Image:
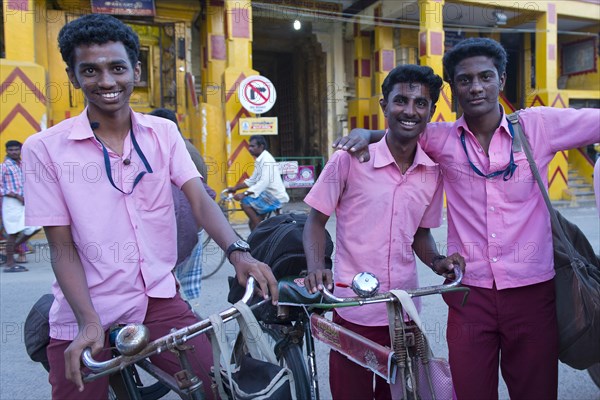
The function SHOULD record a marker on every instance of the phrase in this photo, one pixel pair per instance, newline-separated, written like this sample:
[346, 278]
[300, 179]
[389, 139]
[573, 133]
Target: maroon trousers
[349, 380]
[161, 317]
[514, 328]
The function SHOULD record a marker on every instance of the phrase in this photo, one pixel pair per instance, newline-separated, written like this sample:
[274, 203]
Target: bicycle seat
[293, 292]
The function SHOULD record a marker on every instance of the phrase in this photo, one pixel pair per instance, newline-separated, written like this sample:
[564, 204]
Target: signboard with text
[304, 178]
[140, 8]
[258, 126]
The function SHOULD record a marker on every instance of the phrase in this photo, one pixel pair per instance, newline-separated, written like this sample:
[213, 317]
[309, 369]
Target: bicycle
[228, 206]
[297, 321]
[132, 351]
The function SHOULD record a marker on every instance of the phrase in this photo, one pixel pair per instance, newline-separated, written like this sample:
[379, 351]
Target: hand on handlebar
[245, 266]
[445, 266]
[90, 336]
[319, 279]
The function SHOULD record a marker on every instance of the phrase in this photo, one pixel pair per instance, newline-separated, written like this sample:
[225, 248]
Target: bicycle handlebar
[424, 291]
[167, 342]
[226, 195]
[290, 296]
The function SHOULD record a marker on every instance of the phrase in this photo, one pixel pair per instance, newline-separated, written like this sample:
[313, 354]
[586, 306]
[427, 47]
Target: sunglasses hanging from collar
[127, 161]
[507, 172]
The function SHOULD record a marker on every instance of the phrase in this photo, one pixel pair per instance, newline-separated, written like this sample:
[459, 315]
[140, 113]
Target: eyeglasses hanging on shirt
[127, 161]
[506, 172]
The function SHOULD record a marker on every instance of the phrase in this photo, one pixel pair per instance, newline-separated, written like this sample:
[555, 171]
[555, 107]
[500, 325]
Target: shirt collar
[10, 160]
[461, 124]
[81, 125]
[382, 156]
[261, 156]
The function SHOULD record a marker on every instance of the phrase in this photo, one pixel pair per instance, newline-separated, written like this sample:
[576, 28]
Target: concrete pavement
[21, 378]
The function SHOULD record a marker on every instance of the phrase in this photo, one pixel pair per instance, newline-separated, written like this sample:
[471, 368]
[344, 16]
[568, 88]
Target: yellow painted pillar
[238, 37]
[358, 108]
[210, 139]
[431, 51]
[19, 30]
[384, 58]
[546, 92]
[23, 100]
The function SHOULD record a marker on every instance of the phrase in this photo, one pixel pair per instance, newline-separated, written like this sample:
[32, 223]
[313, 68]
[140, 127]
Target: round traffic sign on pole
[257, 94]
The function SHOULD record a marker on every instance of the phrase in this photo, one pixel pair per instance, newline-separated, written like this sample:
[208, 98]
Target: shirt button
[480, 149]
[493, 235]
[494, 259]
[492, 208]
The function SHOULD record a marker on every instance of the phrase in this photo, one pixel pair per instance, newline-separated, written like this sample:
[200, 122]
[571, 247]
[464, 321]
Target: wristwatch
[238, 245]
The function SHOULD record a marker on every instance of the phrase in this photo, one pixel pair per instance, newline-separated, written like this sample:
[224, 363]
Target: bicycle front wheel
[288, 354]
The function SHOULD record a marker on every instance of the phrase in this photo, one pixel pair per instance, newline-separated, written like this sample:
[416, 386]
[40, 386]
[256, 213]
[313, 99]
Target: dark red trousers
[350, 381]
[161, 317]
[511, 328]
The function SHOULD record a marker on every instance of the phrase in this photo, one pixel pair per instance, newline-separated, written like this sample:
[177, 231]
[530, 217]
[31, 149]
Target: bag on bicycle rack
[250, 376]
[277, 241]
[577, 278]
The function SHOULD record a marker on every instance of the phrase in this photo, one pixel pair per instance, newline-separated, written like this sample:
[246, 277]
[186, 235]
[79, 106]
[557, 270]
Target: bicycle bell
[365, 284]
[132, 339]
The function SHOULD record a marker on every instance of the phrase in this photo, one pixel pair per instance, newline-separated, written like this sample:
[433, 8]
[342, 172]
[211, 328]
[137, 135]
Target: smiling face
[105, 75]
[408, 109]
[477, 85]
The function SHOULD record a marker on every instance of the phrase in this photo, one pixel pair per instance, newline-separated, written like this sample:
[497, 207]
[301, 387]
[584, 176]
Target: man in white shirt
[265, 191]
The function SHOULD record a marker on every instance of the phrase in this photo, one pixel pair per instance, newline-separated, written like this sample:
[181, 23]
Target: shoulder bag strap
[255, 338]
[219, 344]
[518, 132]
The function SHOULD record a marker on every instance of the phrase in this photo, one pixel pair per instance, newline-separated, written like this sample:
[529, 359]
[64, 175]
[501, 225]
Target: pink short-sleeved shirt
[126, 243]
[378, 211]
[502, 228]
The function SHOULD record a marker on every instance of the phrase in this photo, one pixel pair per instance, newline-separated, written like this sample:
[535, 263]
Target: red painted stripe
[585, 155]
[537, 99]
[243, 178]
[243, 145]
[446, 99]
[18, 73]
[19, 109]
[558, 98]
[440, 118]
[238, 116]
[235, 86]
[508, 103]
[557, 172]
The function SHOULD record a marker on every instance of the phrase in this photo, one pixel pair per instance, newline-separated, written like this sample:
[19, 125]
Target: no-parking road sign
[257, 94]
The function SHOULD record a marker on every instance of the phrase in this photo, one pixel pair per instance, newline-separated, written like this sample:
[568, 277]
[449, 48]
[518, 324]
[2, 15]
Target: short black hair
[97, 29]
[473, 47]
[259, 139]
[411, 73]
[167, 114]
[14, 143]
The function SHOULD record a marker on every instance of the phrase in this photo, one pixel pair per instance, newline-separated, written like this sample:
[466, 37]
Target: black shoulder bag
[577, 279]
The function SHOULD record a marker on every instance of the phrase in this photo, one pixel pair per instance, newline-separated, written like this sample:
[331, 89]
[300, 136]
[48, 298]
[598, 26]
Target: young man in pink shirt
[100, 184]
[392, 202]
[498, 219]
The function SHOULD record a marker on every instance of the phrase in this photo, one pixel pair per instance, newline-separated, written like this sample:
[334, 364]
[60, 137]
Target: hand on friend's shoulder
[357, 143]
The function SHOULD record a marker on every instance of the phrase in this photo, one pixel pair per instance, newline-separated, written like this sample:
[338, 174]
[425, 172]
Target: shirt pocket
[522, 186]
[153, 192]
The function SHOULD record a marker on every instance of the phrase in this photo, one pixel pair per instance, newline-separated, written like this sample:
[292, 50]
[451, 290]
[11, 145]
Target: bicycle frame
[382, 360]
[135, 349]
